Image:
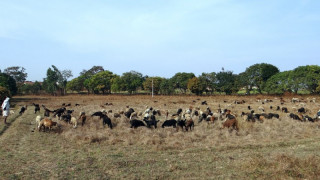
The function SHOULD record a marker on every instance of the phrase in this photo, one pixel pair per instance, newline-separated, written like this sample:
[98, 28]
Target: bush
[3, 93]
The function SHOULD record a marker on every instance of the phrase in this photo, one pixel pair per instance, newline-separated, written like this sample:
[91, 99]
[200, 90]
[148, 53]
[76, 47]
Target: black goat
[296, 117]
[66, 117]
[59, 112]
[151, 122]
[204, 103]
[46, 111]
[302, 110]
[36, 108]
[99, 113]
[284, 109]
[129, 112]
[106, 120]
[22, 110]
[136, 123]
[170, 122]
[182, 124]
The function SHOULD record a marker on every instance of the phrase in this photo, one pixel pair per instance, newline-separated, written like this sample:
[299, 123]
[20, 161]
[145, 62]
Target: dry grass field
[275, 149]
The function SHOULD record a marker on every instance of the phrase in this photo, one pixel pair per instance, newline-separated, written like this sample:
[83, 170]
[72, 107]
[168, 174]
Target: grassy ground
[275, 149]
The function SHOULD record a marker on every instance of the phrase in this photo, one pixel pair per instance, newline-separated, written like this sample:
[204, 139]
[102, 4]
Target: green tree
[226, 82]
[36, 88]
[9, 83]
[280, 83]
[101, 82]
[306, 77]
[180, 81]
[132, 81]
[75, 85]
[166, 88]
[50, 83]
[18, 73]
[258, 74]
[85, 75]
[195, 86]
[3, 93]
[117, 84]
[207, 82]
[156, 81]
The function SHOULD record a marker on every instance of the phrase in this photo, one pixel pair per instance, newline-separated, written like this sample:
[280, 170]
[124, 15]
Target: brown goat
[189, 125]
[47, 123]
[83, 118]
[231, 121]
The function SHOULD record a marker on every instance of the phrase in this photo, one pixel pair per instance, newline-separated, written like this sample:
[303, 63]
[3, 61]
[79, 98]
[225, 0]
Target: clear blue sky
[158, 37]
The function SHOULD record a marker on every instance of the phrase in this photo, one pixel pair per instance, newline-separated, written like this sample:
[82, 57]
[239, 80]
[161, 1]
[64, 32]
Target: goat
[99, 113]
[189, 125]
[66, 117]
[83, 118]
[204, 103]
[47, 123]
[136, 123]
[302, 110]
[294, 100]
[171, 122]
[36, 108]
[46, 111]
[59, 112]
[296, 117]
[129, 112]
[231, 121]
[181, 123]
[261, 108]
[284, 109]
[38, 119]
[106, 120]
[152, 122]
[74, 122]
[23, 109]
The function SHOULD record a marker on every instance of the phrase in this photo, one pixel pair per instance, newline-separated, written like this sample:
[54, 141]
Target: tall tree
[75, 85]
[166, 87]
[101, 82]
[307, 77]
[153, 82]
[258, 74]
[280, 83]
[18, 73]
[226, 82]
[207, 82]
[85, 76]
[9, 83]
[117, 84]
[180, 80]
[132, 81]
[50, 83]
[194, 86]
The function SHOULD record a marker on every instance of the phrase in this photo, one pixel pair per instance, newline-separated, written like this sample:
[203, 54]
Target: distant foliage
[258, 74]
[101, 82]
[258, 78]
[9, 83]
[3, 93]
[153, 81]
[180, 81]
[132, 81]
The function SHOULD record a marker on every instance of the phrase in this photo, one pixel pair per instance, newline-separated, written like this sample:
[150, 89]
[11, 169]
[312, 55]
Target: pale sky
[158, 37]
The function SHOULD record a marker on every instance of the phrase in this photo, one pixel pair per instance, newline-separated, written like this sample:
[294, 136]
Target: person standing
[5, 109]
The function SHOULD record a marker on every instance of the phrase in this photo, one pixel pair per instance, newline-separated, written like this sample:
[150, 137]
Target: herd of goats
[183, 119]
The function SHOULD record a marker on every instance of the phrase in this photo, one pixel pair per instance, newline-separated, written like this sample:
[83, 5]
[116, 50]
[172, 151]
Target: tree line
[258, 78]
